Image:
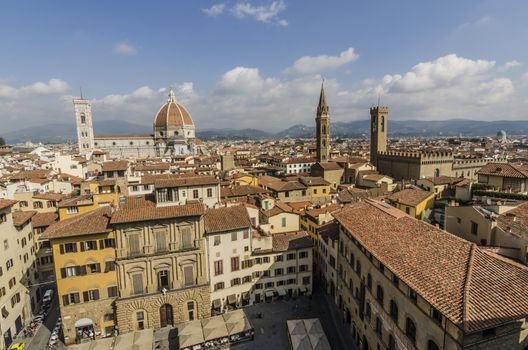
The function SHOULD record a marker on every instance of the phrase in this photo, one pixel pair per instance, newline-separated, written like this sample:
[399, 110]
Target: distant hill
[63, 132]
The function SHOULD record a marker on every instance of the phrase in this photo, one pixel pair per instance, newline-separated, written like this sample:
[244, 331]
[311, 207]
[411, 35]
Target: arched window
[83, 119]
[410, 330]
[431, 345]
[437, 172]
[382, 123]
[166, 315]
[379, 294]
[394, 311]
[324, 129]
[324, 143]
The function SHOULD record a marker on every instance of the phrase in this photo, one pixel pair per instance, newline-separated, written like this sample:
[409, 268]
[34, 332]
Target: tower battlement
[379, 109]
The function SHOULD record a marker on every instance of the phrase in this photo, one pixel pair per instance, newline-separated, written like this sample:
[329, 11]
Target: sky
[260, 64]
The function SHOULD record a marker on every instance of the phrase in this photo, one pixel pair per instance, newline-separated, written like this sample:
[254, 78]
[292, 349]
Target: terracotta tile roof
[313, 181]
[329, 166]
[328, 231]
[95, 221]
[226, 219]
[21, 217]
[85, 199]
[445, 180]
[49, 196]
[281, 186]
[149, 212]
[503, 169]
[31, 174]
[515, 221]
[473, 289]
[44, 219]
[353, 195]
[6, 203]
[179, 181]
[409, 196]
[327, 209]
[282, 242]
[152, 166]
[118, 165]
[241, 191]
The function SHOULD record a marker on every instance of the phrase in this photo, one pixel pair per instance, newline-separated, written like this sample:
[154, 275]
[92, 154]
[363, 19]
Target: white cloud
[317, 64]
[262, 13]
[495, 91]
[53, 86]
[214, 10]
[478, 23]
[443, 71]
[125, 48]
[510, 64]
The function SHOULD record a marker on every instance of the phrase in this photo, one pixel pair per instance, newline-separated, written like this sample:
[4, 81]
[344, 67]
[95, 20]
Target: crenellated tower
[322, 122]
[83, 117]
[378, 132]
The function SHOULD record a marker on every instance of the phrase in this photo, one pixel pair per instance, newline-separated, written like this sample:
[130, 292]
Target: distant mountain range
[64, 132]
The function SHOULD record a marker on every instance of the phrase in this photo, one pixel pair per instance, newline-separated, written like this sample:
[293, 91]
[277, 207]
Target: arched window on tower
[382, 123]
[83, 119]
[324, 129]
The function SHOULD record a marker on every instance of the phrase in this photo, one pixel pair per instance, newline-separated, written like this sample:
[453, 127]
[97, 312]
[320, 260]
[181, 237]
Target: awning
[269, 293]
[231, 299]
[83, 322]
[281, 292]
[245, 296]
[217, 303]
[303, 289]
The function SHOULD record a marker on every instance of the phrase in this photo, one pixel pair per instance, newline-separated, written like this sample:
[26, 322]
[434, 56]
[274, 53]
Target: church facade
[173, 134]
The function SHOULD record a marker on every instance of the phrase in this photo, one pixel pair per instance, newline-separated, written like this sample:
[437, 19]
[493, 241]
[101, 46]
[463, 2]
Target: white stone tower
[83, 117]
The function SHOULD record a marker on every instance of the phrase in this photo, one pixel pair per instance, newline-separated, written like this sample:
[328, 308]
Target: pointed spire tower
[322, 122]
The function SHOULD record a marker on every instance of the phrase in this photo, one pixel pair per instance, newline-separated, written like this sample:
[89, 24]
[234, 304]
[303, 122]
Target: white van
[48, 296]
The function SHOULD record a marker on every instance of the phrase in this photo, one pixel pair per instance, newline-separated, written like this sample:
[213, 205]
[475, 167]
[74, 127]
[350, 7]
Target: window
[266, 259]
[358, 267]
[83, 119]
[235, 264]
[188, 274]
[290, 256]
[235, 282]
[9, 264]
[91, 295]
[246, 234]
[436, 316]
[209, 192]
[137, 284]
[369, 281]
[108, 317]
[93, 268]
[217, 240]
[140, 320]
[378, 327]
[410, 330]
[283, 222]
[72, 210]
[258, 285]
[303, 255]
[413, 296]
[218, 286]
[459, 220]
[306, 280]
[278, 258]
[407, 210]
[392, 343]
[108, 243]
[269, 284]
[161, 241]
[88, 245]
[290, 269]
[133, 244]
[379, 294]
[218, 267]
[187, 241]
[71, 298]
[246, 279]
[190, 310]
[394, 311]
[474, 228]
[368, 311]
[395, 280]
[431, 345]
[112, 292]
[163, 280]
[68, 248]
[279, 272]
[195, 194]
[303, 268]
[233, 236]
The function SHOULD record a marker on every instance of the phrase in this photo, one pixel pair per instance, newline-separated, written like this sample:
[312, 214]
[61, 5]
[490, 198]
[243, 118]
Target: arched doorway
[166, 315]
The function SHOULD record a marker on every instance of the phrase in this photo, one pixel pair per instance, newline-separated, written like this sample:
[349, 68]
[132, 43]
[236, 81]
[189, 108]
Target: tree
[2, 141]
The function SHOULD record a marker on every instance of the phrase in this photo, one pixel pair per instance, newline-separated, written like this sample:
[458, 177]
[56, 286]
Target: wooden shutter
[137, 283]
[133, 244]
[82, 246]
[96, 294]
[65, 300]
[82, 270]
[101, 244]
[74, 247]
[98, 267]
[186, 237]
[188, 275]
[63, 272]
[86, 297]
[161, 241]
[61, 247]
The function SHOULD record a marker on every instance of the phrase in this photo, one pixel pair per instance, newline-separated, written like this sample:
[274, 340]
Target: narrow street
[39, 341]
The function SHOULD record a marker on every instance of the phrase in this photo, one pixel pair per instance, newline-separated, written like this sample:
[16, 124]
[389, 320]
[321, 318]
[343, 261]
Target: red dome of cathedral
[172, 115]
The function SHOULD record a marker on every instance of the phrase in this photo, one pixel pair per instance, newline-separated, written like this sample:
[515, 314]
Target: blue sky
[260, 63]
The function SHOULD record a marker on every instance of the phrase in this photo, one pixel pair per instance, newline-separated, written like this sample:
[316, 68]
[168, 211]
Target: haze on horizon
[259, 64]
